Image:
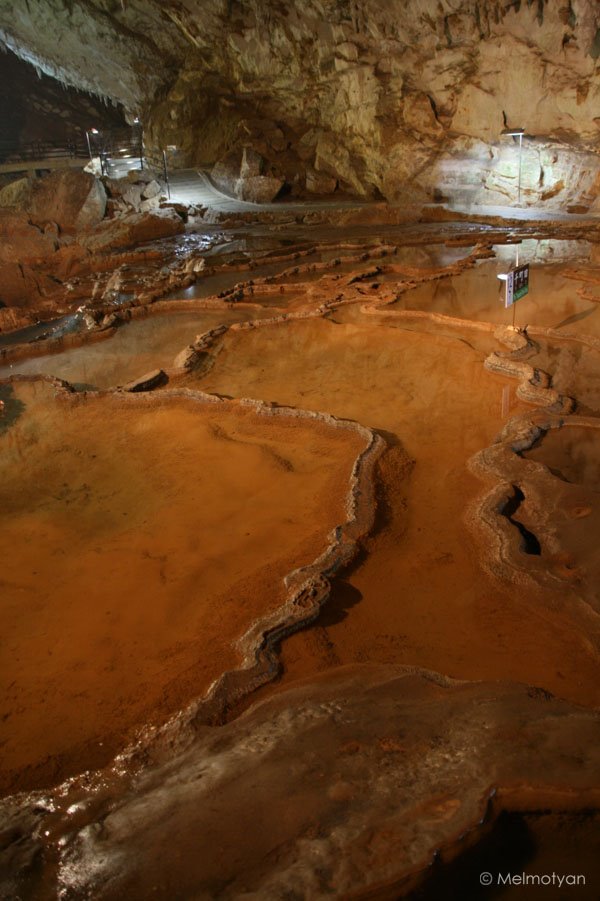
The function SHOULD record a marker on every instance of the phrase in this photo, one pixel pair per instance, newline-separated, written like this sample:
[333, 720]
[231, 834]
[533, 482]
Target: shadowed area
[336, 771]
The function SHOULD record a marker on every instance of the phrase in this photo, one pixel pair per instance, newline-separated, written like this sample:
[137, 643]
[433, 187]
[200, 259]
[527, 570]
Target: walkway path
[53, 162]
[193, 186]
[533, 214]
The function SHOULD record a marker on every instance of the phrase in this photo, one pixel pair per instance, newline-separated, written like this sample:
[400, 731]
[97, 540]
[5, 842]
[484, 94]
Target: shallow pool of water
[478, 294]
[572, 454]
[137, 347]
[420, 595]
[137, 546]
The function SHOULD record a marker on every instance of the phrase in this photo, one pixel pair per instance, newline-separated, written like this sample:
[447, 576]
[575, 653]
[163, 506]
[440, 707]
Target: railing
[13, 151]
[114, 147]
[117, 149]
[159, 165]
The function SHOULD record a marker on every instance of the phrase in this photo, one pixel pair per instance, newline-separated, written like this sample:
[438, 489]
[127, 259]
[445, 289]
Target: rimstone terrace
[299, 451]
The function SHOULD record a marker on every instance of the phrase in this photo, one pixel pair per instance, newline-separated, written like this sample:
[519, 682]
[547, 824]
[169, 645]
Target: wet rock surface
[372, 769]
[157, 533]
[357, 779]
[55, 234]
[312, 598]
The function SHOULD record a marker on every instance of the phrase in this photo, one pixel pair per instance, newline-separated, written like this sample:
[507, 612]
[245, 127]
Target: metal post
[520, 153]
[166, 171]
[517, 264]
[87, 135]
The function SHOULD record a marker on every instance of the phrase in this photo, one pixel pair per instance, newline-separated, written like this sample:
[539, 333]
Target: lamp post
[166, 173]
[138, 139]
[90, 131]
[517, 133]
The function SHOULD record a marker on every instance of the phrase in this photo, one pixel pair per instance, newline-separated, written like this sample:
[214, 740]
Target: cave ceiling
[373, 91]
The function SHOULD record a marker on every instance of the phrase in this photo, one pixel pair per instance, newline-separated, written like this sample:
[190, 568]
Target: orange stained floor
[420, 595]
[139, 541]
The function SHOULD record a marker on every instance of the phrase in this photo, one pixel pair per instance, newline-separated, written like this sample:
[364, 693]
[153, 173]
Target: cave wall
[401, 99]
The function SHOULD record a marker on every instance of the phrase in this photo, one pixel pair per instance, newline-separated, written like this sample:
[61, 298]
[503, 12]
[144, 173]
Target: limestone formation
[135, 228]
[320, 182]
[330, 564]
[359, 780]
[258, 188]
[16, 193]
[241, 175]
[380, 96]
[147, 382]
[75, 200]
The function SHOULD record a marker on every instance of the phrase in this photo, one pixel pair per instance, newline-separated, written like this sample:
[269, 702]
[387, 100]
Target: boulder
[239, 176]
[74, 199]
[147, 205]
[259, 188]
[133, 196]
[152, 189]
[94, 167]
[22, 285]
[147, 382]
[320, 182]
[134, 228]
[226, 172]
[16, 194]
[116, 187]
[22, 242]
[252, 163]
[181, 209]
[139, 175]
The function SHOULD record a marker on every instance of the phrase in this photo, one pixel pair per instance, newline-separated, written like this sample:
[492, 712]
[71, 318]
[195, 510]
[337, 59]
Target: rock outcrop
[393, 99]
[52, 229]
[139, 192]
[244, 176]
[359, 779]
[74, 200]
[136, 228]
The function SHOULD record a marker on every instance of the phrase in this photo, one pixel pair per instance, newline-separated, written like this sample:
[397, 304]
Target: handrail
[80, 145]
[34, 150]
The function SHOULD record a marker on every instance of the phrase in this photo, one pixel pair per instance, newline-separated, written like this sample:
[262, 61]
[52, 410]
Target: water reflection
[553, 300]
[11, 407]
[572, 454]
[135, 348]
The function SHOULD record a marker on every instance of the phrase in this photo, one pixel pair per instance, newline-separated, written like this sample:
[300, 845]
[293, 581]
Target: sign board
[517, 284]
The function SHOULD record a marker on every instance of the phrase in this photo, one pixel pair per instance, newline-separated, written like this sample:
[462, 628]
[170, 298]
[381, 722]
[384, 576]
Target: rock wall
[376, 97]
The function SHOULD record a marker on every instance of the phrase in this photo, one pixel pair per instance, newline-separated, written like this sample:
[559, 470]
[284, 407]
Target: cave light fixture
[508, 278]
[516, 133]
[90, 131]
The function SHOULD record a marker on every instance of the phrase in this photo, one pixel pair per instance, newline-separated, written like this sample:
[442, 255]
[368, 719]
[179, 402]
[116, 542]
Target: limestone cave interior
[300, 450]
